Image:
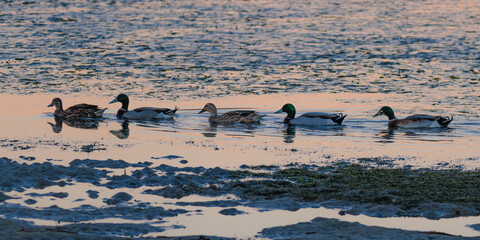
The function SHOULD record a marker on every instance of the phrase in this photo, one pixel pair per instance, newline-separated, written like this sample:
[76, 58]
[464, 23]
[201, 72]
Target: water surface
[351, 56]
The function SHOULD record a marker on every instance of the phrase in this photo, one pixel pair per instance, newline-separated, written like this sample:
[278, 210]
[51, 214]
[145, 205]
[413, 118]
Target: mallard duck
[414, 121]
[238, 116]
[311, 118]
[76, 111]
[143, 112]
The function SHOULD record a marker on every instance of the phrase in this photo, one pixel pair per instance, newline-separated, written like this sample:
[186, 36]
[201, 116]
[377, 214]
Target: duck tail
[171, 112]
[99, 113]
[257, 118]
[339, 119]
[444, 121]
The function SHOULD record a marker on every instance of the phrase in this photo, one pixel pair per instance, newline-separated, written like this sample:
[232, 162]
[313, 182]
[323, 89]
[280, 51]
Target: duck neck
[59, 108]
[390, 114]
[213, 112]
[124, 105]
[120, 112]
[291, 113]
[391, 117]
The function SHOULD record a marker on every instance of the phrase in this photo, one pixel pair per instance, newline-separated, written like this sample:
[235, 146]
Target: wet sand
[318, 228]
[380, 192]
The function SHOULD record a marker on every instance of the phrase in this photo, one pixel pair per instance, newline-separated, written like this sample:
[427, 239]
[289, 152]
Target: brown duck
[238, 116]
[82, 110]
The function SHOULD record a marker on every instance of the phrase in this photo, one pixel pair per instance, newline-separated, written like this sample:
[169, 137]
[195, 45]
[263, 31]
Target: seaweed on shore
[404, 188]
[397, 186]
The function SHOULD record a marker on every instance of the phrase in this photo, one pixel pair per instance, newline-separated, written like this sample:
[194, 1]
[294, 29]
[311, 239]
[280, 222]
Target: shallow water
[351, 57]
[190, 136]
[32, 135]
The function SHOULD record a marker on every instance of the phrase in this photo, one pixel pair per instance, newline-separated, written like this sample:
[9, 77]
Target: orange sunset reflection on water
[350, 57]
[191, 136]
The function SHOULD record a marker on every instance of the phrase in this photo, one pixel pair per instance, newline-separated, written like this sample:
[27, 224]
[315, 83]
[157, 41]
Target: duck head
[57, 102]
[387, 111]
[289, 109]
[123, 99]
[209, 107]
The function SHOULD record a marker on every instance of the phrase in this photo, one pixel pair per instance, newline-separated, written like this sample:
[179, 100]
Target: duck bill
[279, 111]
[201, 111]
[377, 114]
[50, 105]
[113, 101]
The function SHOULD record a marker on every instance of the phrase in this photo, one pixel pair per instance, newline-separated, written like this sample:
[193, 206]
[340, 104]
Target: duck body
[317, 119]
[413, 121]
[143, 112]
[311, 118]
[238, 116]
[82, 110]
[146, 113]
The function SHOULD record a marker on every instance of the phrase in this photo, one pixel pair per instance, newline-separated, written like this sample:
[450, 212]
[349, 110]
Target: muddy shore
[319, 228]
[372, 187]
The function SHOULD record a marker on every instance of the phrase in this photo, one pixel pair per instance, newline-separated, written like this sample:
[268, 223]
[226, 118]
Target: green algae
[354, 182]
[407, 189]
[403, 187]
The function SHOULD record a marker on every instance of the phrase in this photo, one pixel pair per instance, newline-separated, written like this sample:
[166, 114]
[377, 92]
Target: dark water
[425, 49]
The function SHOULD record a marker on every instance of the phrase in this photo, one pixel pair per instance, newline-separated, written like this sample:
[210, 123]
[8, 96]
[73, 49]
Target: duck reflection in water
[122, 133]
[211, 131]
[289, 133]
[233, 130]
[386, 135]
[82, 123]
[424, 134]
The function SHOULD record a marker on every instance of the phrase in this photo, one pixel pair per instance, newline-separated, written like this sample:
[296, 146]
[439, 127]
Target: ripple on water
[201, 48]
[423, 55]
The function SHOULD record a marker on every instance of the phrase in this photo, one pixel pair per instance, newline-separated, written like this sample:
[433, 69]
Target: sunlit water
[32, 135]
[350, 56]
[31, 130]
